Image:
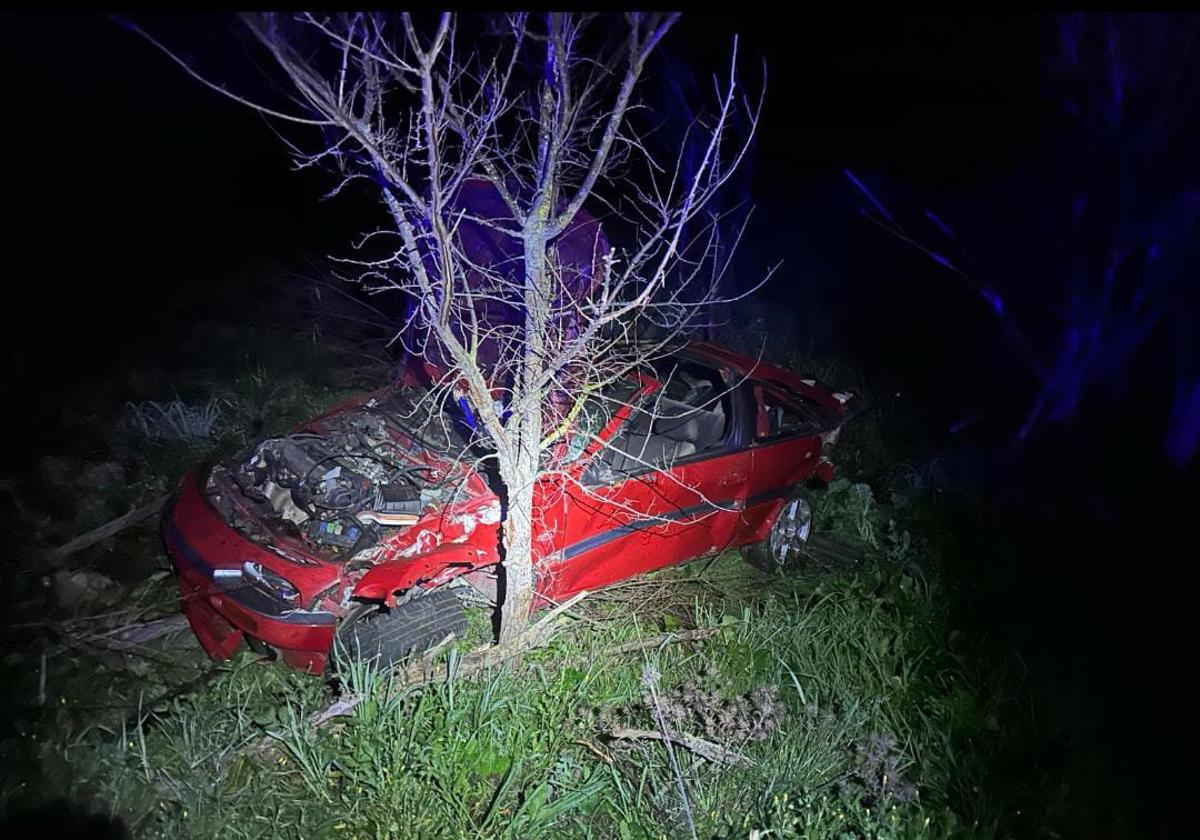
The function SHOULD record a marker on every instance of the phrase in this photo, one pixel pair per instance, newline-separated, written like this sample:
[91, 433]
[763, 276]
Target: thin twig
[705, 749]
[595, 750]
[657, 641]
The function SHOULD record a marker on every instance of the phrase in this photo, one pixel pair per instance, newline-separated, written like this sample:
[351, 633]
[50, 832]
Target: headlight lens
[271, 582]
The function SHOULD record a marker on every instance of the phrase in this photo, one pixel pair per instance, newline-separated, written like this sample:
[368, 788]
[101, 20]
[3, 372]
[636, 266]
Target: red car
[367, 522]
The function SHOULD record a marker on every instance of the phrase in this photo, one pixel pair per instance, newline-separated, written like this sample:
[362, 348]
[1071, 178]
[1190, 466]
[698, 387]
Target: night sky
[139, 201]
[129, 176]
[138, 195]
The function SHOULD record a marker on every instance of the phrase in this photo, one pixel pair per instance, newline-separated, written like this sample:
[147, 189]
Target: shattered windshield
[435, 423]
[596, 412]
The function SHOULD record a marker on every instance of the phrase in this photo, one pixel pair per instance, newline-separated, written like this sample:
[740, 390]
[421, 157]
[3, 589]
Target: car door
[644, 503]
[786, 449]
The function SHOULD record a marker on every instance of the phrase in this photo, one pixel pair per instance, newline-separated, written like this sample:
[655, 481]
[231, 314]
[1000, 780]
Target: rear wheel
[390, 636]
[785, 544]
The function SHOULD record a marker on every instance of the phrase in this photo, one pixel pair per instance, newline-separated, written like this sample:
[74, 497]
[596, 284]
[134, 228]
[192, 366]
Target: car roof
[757, 369]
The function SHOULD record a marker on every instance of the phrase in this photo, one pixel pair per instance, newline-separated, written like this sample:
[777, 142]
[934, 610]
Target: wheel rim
[790, 531]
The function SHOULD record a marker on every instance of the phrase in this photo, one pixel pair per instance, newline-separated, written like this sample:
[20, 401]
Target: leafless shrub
[877, 776]
[698, 706]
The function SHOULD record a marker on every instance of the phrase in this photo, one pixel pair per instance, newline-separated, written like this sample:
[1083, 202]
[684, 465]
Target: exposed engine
[335, 490]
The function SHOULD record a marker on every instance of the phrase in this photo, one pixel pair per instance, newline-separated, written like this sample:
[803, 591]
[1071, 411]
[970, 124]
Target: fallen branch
[132, 636]
[656, 641]
[599, 753]
[147, 631]
[108, 529]
[705, 749]
[486, 656]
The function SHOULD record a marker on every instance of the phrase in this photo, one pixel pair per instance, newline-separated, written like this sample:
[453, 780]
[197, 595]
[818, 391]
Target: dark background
[140, 203]
[136, 195]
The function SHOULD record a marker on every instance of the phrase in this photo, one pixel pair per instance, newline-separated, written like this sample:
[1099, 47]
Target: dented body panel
[252, 564]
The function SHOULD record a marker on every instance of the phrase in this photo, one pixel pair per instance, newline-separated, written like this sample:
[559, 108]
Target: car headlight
[270, 582]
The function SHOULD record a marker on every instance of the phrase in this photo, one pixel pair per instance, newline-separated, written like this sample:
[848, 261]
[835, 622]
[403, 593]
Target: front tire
[389, 637]
[785, 544]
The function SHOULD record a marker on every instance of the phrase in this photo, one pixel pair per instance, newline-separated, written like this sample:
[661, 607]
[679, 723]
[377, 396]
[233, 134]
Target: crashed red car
[366, 522]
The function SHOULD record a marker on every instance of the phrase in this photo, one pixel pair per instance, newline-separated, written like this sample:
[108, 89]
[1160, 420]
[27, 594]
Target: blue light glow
[994, 300]
[1094, 242]
[468, 416]
[869, 195]
[1183, 424]
[942, 226]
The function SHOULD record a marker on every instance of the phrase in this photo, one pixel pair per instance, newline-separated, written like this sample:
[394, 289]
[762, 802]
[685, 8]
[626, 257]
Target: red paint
[584, 538]
[382, 582]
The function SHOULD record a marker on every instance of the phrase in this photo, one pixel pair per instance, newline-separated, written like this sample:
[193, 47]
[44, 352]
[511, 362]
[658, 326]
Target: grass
[856, 658]
[888, 725]
[173, 420]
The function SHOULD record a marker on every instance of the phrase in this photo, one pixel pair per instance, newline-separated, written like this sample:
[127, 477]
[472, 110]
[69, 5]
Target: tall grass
[524, 753]
[173, 420]
[875, 712]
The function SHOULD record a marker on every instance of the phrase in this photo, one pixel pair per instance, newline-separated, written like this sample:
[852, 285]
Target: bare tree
[541, 114]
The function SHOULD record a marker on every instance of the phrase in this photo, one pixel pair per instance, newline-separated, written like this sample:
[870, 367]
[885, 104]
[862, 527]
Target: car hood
[355, 478]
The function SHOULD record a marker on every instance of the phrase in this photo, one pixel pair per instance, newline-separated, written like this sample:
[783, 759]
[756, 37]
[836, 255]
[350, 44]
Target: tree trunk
[520, 473]
[518, 554]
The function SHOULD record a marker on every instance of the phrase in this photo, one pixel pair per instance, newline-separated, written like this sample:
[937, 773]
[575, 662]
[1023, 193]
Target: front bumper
[222, 610]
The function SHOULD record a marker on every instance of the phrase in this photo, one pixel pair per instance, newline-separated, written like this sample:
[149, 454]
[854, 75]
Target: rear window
[787, 414]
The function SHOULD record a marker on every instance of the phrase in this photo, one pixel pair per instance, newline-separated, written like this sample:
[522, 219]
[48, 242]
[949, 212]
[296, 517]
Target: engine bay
[334, 488]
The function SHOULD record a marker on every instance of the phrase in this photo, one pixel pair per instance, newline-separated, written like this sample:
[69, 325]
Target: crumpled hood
[358, 477]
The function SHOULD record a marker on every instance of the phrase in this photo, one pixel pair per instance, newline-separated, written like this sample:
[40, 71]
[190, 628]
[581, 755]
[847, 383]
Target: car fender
[435, 567]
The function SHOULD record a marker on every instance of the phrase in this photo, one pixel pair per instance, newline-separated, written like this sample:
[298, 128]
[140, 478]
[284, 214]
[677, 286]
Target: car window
[595, 414]
[695, 405]
[685, 418]
[784, 414]
[693, 384]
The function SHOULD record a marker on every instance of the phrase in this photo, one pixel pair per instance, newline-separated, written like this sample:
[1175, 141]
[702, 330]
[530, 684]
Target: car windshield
[436, 427]
[596, 412]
